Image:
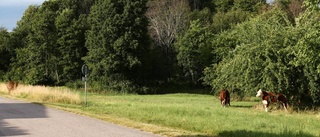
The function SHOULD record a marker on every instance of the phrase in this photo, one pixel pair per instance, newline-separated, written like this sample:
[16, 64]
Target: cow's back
[223, 94]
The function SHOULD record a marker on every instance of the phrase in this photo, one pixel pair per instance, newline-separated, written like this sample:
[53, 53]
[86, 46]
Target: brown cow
[224, 97]
[12, 85]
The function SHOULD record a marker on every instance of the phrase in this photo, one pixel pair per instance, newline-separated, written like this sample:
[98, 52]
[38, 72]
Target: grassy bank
[195, 115]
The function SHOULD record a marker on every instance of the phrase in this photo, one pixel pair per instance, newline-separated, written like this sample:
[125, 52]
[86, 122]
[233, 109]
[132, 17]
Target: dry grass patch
[43, 94]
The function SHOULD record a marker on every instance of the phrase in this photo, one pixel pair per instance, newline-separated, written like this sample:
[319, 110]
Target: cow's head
[259, 93]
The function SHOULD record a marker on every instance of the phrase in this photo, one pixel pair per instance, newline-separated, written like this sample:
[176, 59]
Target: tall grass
[43, 94]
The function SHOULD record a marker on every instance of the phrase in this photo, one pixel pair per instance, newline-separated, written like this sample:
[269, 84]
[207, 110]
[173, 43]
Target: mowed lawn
[197, 115]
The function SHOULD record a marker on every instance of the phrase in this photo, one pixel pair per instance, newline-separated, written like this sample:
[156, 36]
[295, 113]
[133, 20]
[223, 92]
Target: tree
[306, 52]
[257, 58]
[18, 41]
[48, 43]
[225, 20]
[201, 4]
[194, 51]
[36, 60]
[4, 52]
[249, 5]
[204, 16]
[71, 27]
[116, 43]
[167, 18]
[223, 5]
[232, 12]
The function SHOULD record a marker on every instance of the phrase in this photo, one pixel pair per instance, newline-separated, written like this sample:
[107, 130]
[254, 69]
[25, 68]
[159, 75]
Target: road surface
[24, 119]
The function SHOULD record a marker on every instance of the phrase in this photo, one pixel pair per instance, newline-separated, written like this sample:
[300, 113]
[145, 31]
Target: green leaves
[4, 51]
[116, 40]
[49, 44]
[268, 52]
[258, 59]
[194, 51]
[306, 52]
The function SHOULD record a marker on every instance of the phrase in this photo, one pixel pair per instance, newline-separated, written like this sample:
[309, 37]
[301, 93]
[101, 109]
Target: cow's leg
[265, 107]
[284, 106]
[265, 104]
[223, 103]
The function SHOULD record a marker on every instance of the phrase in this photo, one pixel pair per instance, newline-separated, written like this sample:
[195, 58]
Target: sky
[11, 11]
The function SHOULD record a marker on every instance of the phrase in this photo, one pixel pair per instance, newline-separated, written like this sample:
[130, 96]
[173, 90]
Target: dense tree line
[141, 46]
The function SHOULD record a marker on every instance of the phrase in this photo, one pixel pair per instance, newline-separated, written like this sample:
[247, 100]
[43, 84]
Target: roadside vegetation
[185, 115]
[43, 94]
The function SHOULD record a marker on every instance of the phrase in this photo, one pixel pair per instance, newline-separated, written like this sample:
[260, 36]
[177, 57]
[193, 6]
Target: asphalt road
[24, 119]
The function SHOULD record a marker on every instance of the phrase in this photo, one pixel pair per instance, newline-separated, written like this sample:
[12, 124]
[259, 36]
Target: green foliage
[312, 5]
[245, 5]
[4, 37]
[49, 43]
[36, 61]
[71, 30]
[225, 20]
[194, 51]
[204, 16]
[306, 53]
[231, 12]
[116, 41]
[223, 5]
[4, 52]
[268, 52]
[248, 5]
[259, 58]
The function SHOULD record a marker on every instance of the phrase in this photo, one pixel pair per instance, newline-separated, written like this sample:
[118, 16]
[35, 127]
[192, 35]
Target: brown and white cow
[271, 97]
[12, 85]
[224, 97]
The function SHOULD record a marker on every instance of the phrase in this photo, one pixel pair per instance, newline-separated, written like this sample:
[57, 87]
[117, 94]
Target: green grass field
[198, 115]
[188, 115]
